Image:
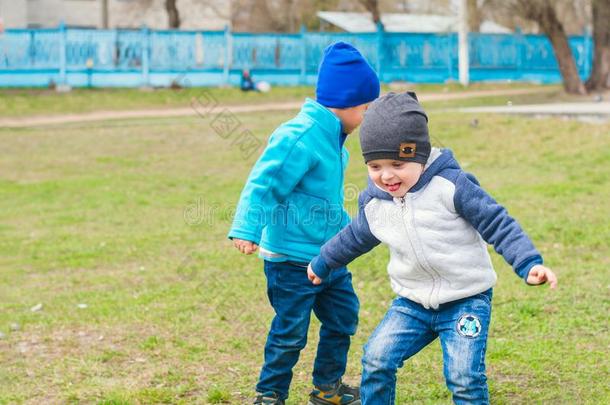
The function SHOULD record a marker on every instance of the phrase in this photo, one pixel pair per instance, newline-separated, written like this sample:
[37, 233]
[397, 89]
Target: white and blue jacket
[293, 199]
[437, 235]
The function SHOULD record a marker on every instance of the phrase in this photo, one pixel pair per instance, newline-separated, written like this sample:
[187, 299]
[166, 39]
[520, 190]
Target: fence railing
[131, 58]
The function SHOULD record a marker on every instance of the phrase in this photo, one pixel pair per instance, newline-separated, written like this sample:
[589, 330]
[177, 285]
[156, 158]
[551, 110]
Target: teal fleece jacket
[292, 202]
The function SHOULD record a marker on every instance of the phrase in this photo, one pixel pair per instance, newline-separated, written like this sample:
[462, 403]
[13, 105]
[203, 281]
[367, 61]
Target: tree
[173, 16]
[544, 14]
[178, 13]
[104, 8]
[372, 6]
[600, 74]
[260, 15]
[475, 16]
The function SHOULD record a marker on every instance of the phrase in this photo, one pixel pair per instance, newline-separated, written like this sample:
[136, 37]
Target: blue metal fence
[132, 58]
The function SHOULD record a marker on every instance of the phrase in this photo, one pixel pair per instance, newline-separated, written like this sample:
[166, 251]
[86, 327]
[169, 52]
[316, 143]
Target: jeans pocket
[297, 264]
[485, 296]
[293, 276]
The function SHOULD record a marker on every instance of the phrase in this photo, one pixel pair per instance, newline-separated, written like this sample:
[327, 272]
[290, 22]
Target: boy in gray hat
[436, 220]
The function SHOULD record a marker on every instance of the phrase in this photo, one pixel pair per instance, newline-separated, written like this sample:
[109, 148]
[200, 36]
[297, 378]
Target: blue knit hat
[345, 79]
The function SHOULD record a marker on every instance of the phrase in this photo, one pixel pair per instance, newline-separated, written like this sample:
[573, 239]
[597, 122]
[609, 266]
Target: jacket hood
[439, 160]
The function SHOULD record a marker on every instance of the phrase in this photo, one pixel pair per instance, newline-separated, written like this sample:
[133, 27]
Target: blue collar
[444, 160]
[329, 123]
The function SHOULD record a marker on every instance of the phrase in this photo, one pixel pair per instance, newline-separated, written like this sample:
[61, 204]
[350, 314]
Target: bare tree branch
[173, 16]
[475, 16]
[372, 6]
[544, 14]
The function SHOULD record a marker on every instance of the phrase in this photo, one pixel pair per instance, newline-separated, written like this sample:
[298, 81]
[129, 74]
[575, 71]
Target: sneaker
[341, 394]
[268, 398]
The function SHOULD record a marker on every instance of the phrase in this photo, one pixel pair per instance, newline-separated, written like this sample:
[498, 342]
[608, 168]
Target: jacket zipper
[341, 185]
[425, 264]
[417, 259]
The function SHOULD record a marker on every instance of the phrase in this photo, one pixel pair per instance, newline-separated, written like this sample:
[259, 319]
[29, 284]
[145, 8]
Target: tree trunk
[567, 66]
[105, 14]
[372, 7]
[294, 15]
[474, 16]
[173, 16]
[600, 74]
[544, 14]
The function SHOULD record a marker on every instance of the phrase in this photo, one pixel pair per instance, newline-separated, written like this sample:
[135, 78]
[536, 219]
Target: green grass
[24, 102]
[130, 217]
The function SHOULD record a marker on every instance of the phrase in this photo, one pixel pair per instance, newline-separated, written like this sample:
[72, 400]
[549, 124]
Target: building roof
[396, 22]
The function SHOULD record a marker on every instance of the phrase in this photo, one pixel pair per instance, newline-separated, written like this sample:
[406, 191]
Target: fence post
[63, 79]
[463, 46]
[303, 75]
[228, 55]
[519, 40]
[588, 51]
[31, 48]
[450, 37]
[379, 65]
[145, 56]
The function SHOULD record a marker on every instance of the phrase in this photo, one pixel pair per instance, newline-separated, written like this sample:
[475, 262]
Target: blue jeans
[408, 327]
[293, 297]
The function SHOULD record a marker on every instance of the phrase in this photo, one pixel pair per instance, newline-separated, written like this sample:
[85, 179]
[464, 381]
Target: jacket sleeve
[494, 224]
[277, 172]
[353, 241]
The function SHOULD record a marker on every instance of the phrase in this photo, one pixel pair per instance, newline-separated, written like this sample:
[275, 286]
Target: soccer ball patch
[469, 325]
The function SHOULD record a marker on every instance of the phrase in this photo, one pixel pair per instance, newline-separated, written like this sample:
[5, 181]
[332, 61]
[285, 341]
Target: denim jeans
[293, 297]
[408, 327]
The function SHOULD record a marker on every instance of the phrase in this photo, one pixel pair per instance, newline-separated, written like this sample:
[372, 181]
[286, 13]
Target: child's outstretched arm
[245, 246]
[540, 274]
[499, 229]
[276, 173]
[354, 240]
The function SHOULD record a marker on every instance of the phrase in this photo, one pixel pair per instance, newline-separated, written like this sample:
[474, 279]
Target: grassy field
[25, 102]
[118, 230]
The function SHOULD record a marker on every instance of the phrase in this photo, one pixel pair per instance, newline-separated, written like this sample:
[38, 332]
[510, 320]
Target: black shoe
[340, 394]
[268, 398]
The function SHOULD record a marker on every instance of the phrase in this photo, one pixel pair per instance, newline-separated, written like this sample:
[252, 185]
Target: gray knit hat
[395, 126]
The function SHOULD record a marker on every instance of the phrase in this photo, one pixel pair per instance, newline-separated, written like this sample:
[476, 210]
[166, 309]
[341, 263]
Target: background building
[203, 15]
[400, 22]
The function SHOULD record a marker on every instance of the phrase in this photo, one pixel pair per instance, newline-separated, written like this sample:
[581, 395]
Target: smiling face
[394, 176]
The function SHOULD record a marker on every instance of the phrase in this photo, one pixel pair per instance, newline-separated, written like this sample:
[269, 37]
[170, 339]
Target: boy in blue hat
[291, 204]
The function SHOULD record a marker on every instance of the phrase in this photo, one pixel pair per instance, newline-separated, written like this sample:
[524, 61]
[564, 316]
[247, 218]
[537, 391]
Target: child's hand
[245, 246]
[540, 274]
[312, 276]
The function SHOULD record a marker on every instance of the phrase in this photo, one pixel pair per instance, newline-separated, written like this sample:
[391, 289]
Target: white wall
[13, 13]
[194, 14]
[49, 13]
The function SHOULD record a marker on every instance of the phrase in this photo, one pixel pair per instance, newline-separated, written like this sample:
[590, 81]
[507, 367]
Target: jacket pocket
[306, 218]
